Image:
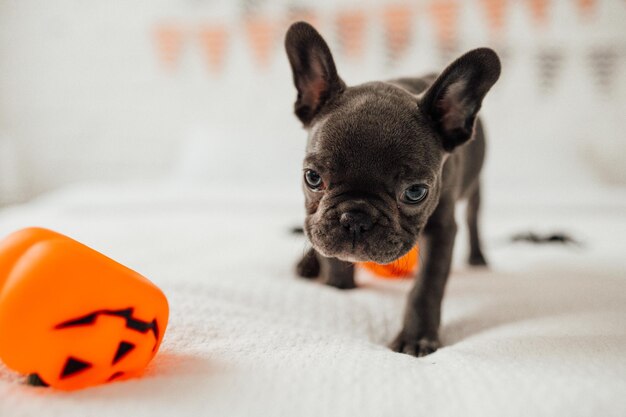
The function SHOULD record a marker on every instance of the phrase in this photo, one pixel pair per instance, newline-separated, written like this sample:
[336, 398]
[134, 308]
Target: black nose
[356, 221]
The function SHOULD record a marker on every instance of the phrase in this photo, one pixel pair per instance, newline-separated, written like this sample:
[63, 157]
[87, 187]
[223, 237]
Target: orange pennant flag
[586, 7]
[169, 42]
[496, 14]
[351, 29]
[445, 14]
[539, 10]
[261, 32]
[397, 21]
[213, 40]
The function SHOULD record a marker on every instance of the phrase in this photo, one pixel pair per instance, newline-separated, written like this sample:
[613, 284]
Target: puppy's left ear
[455, 97]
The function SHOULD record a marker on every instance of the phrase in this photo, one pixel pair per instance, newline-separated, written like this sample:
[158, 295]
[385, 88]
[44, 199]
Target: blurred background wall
[200, 90]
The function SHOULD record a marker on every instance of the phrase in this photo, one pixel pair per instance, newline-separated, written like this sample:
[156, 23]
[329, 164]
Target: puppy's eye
[415, 194]
[313, 180]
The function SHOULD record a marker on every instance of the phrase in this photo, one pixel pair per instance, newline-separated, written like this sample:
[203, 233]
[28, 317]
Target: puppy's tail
[297, 230]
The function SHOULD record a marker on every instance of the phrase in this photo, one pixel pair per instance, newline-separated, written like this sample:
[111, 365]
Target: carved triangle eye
[122, 350]
[74, 366]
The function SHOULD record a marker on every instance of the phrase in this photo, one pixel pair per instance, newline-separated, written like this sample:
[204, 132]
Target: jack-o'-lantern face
[70, 316]
[105, 345]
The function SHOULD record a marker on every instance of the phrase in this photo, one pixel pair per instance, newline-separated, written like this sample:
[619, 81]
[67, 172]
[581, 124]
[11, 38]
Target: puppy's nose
[356, 221]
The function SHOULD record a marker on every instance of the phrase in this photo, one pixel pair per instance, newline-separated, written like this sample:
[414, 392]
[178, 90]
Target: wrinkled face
[372, 172]
[371, 175]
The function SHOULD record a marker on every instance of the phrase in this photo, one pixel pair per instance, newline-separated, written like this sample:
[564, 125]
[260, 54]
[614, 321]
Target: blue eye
[313, 180]
[415, 194]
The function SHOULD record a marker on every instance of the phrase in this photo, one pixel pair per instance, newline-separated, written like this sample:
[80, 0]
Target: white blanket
[541, 333]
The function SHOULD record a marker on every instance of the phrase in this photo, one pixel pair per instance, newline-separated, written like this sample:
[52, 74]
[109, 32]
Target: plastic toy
[70, 317]
[404, 267]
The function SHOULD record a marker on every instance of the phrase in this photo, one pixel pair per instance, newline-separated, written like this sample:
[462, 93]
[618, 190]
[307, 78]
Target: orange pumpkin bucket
[404, 267]
[70, 317]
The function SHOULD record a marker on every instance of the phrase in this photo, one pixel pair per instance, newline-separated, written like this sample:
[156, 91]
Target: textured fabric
[541, 333]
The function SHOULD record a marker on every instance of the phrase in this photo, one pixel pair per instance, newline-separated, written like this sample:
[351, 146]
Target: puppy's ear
[456, 95]
[314, 72]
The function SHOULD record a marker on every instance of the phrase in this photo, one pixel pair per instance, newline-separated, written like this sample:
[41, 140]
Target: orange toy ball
[403, 267]
[70, 317]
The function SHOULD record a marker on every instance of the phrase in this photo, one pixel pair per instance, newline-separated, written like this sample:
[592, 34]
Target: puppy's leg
[334, 272]
[476, 256]
[337, 273]
[420, 332]
[309, 265]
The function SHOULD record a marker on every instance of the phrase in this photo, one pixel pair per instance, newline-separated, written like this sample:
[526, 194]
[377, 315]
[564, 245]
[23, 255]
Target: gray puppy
[386, 163]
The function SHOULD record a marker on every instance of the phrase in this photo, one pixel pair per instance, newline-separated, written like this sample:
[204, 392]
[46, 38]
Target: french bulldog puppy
[386, 163]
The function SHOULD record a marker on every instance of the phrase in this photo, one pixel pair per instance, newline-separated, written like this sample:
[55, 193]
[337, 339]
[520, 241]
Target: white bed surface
[542, 333]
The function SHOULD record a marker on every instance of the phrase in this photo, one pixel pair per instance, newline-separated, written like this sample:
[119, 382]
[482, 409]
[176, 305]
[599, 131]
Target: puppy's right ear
[314, 72]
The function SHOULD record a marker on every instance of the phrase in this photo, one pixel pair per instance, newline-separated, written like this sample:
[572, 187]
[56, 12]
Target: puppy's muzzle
[356, 222]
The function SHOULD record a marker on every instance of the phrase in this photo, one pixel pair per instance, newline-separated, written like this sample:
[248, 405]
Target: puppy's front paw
[309, 265]
[338, 274]
[477, 259]
[414, 346]
[343, 283]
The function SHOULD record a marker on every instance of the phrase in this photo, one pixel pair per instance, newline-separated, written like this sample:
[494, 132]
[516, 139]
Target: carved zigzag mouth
[131, 322]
